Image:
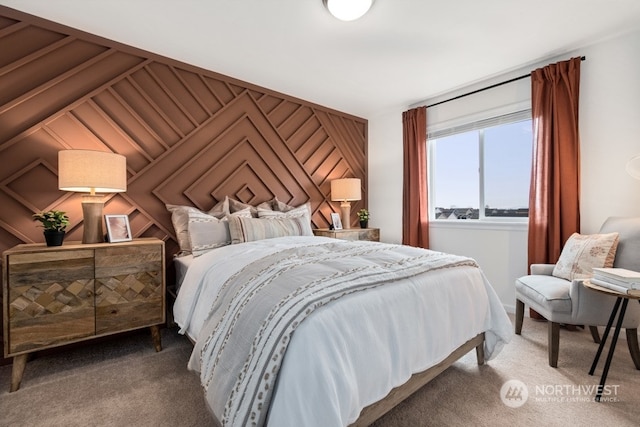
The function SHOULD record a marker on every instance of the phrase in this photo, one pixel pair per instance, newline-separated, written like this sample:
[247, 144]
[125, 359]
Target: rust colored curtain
[415, 217]
[554, 199]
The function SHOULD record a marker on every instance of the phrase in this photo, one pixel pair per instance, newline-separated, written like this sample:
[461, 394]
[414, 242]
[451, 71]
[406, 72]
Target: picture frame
[336, 221]
[118, 228]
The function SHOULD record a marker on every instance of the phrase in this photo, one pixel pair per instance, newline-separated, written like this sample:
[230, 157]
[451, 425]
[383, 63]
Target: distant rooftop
[472, 213]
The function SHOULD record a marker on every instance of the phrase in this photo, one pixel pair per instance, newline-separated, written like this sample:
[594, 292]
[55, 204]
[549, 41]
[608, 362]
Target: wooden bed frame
[376, 410]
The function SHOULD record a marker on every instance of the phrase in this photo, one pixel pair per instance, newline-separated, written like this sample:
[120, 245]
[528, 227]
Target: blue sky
[507, 168]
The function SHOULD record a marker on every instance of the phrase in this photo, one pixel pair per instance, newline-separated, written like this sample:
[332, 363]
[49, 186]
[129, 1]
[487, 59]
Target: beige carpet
[123, 382]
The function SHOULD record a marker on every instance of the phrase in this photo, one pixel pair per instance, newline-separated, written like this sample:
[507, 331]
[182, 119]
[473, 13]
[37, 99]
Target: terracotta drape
[554, 199]
[415, 217]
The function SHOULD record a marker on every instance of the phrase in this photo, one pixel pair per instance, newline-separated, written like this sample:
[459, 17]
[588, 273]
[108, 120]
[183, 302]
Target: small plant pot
[364, 224]
[54, 238]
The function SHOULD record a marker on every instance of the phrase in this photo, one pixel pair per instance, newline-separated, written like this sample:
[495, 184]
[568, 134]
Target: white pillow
[243, 213]
[251, 229]
[236, 205]
[303, 210]
[180, 221]
[207, 232]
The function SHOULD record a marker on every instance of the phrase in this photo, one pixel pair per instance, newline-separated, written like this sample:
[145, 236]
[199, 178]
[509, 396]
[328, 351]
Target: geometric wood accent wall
[190, 136]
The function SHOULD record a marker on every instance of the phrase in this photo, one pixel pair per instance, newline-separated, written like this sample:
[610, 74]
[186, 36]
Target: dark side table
[622, 300]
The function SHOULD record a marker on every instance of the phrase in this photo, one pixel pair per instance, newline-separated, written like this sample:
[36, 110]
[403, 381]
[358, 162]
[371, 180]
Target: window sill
[479, 225]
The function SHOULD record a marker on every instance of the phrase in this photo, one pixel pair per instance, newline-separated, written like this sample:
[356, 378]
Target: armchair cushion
[583, 252]
[548, 291]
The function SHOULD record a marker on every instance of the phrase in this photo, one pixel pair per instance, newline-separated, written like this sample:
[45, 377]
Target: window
[481, 170]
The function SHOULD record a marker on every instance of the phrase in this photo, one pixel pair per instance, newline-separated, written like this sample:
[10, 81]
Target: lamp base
[92, 218]
[345, 209]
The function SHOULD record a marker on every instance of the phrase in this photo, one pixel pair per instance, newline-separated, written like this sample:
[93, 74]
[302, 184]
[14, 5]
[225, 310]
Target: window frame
[480, 126]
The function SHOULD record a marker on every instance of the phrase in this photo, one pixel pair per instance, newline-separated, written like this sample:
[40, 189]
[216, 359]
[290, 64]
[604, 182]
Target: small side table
[622, 300]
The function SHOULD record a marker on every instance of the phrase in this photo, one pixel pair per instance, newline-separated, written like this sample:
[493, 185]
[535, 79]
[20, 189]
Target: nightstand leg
[19, 363]
[155, 335]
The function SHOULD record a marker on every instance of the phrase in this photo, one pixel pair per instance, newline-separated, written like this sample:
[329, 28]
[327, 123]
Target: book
[614, 287]
[619, 276]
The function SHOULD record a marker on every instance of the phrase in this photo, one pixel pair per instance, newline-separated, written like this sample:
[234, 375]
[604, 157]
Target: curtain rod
[488, 87]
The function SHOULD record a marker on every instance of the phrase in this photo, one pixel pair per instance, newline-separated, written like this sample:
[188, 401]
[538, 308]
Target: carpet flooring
[124, 382]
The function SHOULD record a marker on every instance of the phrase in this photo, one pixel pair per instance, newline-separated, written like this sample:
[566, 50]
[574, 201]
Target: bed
[295, 329]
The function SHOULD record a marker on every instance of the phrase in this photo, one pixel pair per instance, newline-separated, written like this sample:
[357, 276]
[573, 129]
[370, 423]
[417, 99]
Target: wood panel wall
[190, 136]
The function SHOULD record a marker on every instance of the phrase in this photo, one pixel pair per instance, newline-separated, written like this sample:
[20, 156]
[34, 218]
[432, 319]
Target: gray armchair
[568, 302]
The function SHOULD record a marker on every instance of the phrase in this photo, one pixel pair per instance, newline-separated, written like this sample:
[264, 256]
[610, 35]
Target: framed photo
[118, 229]
[336, 221]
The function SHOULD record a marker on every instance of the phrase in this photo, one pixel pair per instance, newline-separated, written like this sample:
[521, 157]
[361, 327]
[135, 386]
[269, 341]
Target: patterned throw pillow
[581, 253]
[180, 221]
[207, 232]
[251, 229]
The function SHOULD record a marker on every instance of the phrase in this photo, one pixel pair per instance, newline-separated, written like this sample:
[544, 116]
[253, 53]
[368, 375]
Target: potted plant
[54, 224]
[363, 216]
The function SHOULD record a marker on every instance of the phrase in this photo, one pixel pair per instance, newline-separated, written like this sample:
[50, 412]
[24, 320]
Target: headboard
[190, 136]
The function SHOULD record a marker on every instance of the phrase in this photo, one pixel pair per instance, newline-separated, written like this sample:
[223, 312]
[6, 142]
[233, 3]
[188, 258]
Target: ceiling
[400, 53]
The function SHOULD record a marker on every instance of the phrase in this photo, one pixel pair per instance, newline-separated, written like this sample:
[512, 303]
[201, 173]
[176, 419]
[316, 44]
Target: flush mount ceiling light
[348, 10]
[633, 167]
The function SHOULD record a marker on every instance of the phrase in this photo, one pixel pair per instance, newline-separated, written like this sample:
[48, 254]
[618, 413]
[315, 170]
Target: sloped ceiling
[402, 52]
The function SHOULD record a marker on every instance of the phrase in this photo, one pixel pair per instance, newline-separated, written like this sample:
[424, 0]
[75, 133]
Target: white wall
[610, 136]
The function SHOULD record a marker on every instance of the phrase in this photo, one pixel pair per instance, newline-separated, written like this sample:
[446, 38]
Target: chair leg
[519, 316]
[554, 343]
[632, 342]
[595, 334]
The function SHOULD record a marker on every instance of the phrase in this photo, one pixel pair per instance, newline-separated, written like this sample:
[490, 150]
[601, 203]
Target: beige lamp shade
[92, 171]
[346, 189]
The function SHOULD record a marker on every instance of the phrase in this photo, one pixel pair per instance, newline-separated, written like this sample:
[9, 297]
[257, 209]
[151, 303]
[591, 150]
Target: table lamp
[92, 172]
[345, 190]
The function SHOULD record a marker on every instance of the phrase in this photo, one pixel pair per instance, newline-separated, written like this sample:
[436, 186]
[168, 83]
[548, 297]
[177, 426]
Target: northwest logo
[514, 393]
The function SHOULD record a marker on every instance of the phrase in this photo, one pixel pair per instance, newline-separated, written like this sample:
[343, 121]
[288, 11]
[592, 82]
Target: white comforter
[352, 352]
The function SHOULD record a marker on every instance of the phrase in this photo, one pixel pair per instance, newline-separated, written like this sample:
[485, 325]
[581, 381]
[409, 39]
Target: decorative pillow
[236, 205]
[267, 205]
[244, 213]
[303, 210]
[581, 253]
[207, 232]
[180, 221]
[250, 229]
[221, 209]
[283, 207]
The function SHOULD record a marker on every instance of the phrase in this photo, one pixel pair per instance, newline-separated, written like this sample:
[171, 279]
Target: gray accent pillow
[207, 232]
[251, 229]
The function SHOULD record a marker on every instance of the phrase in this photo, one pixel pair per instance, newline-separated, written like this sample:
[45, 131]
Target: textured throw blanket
[253, 317]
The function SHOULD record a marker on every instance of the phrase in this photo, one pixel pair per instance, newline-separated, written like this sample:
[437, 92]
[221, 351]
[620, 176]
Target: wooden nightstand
[59, 295]
[372, 234]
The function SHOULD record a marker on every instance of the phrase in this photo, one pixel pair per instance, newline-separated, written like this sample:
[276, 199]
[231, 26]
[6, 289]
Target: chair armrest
[591, 307]
[542, 269]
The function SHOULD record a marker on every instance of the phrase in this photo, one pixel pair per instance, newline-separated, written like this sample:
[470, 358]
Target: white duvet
[352, 352]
